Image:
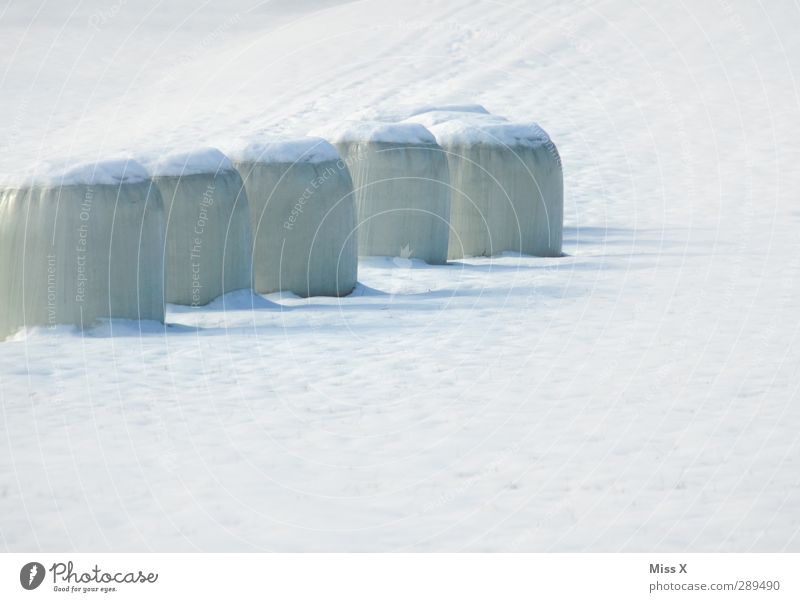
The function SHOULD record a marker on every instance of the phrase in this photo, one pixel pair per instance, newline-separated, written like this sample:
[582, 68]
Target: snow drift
[507, 187]
[82, 245]
[208, 240]
[302, 215]
[402, 188]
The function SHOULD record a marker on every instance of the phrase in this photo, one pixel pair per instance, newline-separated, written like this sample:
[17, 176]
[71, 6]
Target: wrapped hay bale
[401, 183]
[208, 239]
[507, 184]
[302, 216]
[81, 245]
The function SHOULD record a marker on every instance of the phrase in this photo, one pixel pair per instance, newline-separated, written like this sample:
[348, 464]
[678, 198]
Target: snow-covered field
[640, 393]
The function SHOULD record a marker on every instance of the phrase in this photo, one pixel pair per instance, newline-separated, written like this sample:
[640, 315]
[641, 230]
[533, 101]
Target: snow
[460, 132]
[66, 172]
[639, 393]
[193, 162]
[307, 150]
[375, 131]
[453, 126]
[465, 108]
[400, 113]
[435, 117]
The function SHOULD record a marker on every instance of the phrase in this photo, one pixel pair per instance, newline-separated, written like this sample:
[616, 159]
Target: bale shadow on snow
[368, 298]
[587, 236]
[241, 300]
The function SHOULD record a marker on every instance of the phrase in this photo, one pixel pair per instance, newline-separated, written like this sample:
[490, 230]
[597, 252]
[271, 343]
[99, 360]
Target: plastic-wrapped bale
[208, 239]
[402, 188]
[82, 245]
[302, 214]
[507, 185]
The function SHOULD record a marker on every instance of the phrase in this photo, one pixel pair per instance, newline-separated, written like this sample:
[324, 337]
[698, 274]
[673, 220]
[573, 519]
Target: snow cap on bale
[272, 150]
[80, 243]
[507, 185]
[66, 172]
[438, 116]
[375, 131]
[495, 132]
[401, 185]
[403, 112]
[208, 239]
[302, 215]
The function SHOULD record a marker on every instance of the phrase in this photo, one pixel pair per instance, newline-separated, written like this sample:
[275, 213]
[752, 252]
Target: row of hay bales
[118, 239]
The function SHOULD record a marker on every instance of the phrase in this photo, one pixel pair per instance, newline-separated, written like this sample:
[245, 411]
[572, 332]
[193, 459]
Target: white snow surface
[310, 149]
[639, 393]
[375, 131]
